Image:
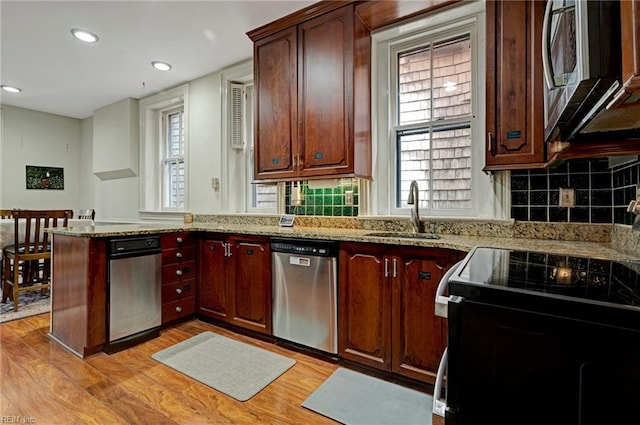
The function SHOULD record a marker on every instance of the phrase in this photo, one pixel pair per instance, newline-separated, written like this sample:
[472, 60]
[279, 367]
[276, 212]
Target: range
[542, 338]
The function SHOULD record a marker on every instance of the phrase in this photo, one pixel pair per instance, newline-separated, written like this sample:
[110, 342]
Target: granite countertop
[461, 242]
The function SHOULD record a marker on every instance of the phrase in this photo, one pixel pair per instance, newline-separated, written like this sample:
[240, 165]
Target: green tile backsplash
[326, 201]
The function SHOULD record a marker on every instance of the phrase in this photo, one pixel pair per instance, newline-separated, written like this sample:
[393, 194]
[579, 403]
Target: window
[433, 121]
[428, 78]
[173, 175]
[164, 147]
[262, 197]
[240, 194]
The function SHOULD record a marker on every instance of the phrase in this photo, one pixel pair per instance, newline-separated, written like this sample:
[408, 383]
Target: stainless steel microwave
[582, 63]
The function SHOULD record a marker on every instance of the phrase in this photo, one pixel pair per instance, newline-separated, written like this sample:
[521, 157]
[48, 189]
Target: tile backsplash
[602, 192]
[324, 201]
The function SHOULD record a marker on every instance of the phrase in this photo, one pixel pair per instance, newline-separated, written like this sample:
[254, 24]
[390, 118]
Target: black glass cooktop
[601, 281]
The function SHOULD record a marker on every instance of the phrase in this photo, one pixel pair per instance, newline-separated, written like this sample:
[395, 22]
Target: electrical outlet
[567, 197]
[296, 196]
[348, 197]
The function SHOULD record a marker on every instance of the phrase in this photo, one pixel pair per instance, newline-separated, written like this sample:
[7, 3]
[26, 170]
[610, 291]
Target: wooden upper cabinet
[313, 97]
[515, 104]
[325, 52]
[275, 70]
[630, 26]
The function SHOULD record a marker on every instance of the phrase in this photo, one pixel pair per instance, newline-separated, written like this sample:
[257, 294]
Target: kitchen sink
[405, 235]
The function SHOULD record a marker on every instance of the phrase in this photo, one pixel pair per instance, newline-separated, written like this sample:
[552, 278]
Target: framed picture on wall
[48, 178]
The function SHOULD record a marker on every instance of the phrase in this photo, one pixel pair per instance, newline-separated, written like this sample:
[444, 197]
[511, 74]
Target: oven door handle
[439, 406]
[441, 299]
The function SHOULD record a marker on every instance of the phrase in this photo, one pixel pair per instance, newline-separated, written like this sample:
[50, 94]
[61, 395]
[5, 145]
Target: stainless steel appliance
[305, 292]
[134, 286]
[537, 338]
[582, 63]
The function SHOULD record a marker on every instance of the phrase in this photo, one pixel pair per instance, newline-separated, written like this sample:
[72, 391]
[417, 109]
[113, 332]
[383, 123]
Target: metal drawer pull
[178, 309]
[179, 291]
[179, 240]
[395, 268]
[178, 255]
[386, 267]
[179, 272]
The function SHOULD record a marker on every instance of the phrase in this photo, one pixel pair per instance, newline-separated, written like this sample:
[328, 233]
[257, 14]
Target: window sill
[162, 215]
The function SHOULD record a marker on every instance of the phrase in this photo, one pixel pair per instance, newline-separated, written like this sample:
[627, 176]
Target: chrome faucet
[413, 200]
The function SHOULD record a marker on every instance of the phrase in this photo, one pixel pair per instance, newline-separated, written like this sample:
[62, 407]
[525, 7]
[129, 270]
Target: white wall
[205, 154]
[38, 138]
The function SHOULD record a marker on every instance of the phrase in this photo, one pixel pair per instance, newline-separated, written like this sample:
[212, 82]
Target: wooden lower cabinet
[79, 293]
[178, 276]
[386, 307]
[235, 280]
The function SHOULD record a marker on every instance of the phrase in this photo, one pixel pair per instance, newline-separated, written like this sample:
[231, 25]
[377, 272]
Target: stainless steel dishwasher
[305, 292]
[134, 307]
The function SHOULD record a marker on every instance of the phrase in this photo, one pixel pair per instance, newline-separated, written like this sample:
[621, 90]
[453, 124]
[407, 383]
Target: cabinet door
[515, 126]
[213, 279]
[325, 93]
[630, 23]
[250, 283]
[419, 336]
[364, 316]
[276, 105]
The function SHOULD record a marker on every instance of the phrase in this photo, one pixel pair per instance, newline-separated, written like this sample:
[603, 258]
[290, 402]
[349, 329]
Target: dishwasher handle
[441, 300]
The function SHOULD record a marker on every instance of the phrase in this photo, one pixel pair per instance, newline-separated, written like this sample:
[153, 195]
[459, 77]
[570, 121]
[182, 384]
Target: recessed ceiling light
[86, 36]
[10, 89]
[161, 66]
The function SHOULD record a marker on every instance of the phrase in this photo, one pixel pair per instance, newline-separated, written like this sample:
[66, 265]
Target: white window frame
[166, 159]
[469, 17]
[239, 161]
[151, 152]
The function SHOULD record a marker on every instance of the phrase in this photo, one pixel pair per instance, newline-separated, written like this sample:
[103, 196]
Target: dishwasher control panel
[305, 247]
[125, 245]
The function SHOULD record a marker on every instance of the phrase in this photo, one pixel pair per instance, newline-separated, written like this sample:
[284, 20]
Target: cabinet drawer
[176, 240]
[178, 290]
[177, 255]
[178, 308]
[178, 272]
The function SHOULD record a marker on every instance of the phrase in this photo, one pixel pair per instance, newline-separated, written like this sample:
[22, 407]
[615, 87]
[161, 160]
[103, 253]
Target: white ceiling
[60, 75]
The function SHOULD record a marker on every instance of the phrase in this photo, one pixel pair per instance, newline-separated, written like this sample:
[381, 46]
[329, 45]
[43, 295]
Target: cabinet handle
[179, 272]
[227, 249]
[395, 268]
[178, 255]
[491, 147]
[179, 240]
[294, 161]
[178, 309]
[179, 291]
[386, 267]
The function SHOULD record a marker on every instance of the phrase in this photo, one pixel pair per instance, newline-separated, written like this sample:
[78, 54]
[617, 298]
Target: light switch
[348, 197]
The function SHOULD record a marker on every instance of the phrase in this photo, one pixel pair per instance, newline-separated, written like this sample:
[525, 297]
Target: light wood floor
[41, 381]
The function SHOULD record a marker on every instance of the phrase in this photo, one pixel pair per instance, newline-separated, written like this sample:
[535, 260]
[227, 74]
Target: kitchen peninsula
[79, 265]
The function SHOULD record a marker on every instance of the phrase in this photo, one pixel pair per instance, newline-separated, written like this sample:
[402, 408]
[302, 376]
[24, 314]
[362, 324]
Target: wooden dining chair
[4, 214]
[26, 263]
